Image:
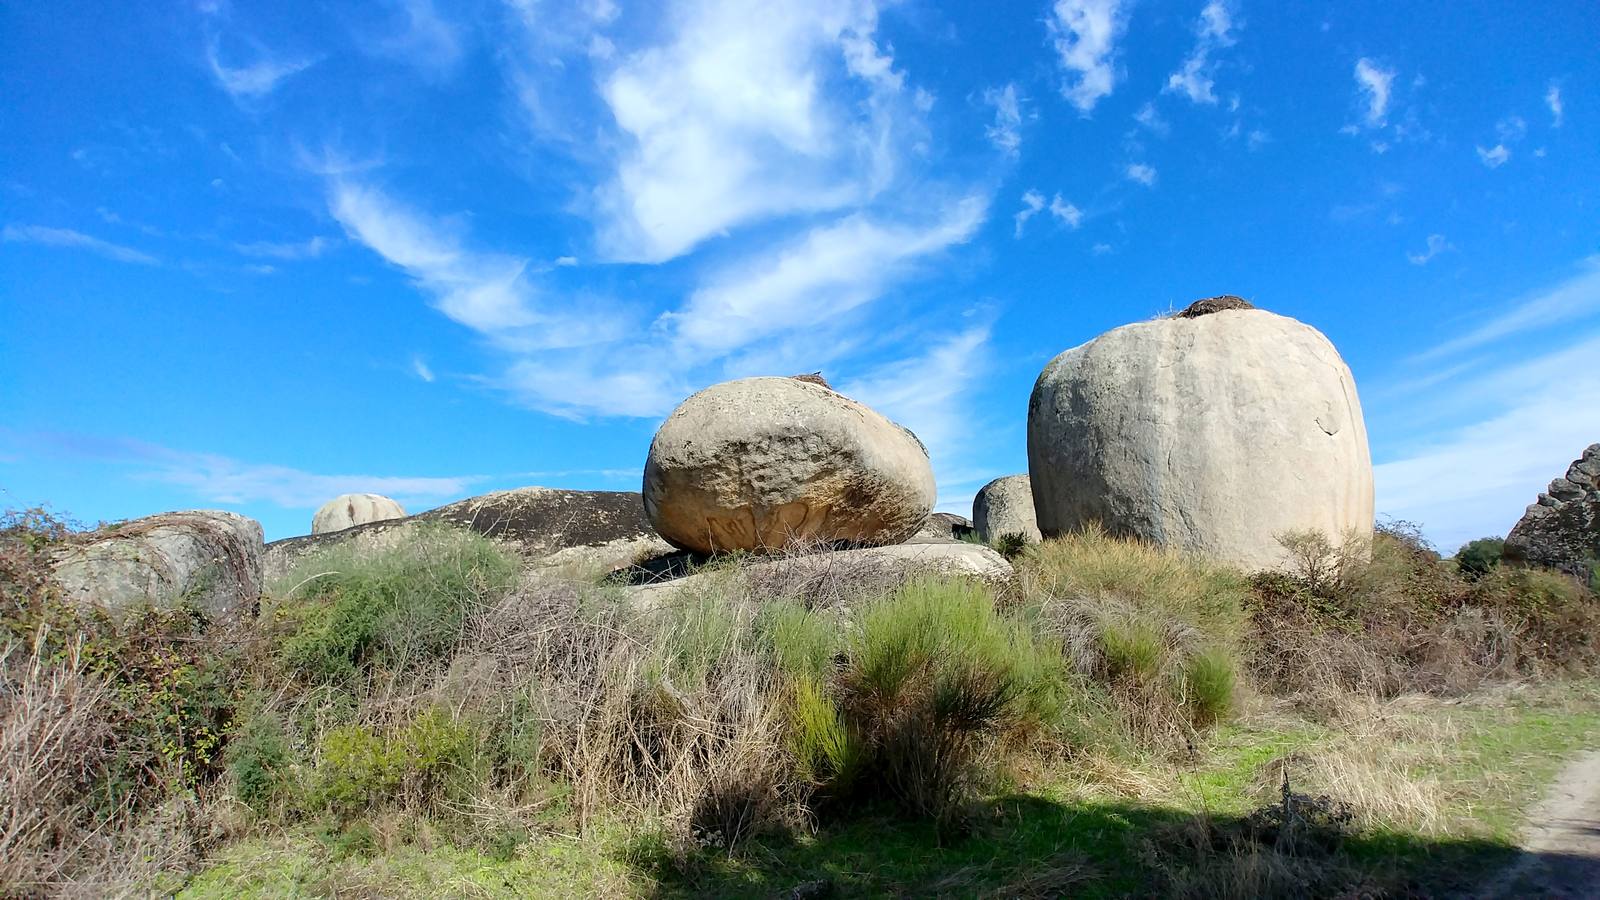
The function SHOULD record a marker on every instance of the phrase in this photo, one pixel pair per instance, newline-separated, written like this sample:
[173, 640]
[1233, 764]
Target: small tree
[1476, 558]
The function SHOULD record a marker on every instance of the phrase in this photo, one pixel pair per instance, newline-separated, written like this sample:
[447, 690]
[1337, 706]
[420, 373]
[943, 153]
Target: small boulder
[760, 463]
[209, 558]
[1561, 530]
[1005, 506]
[1214, 431]
[354, 509]
[943, 528]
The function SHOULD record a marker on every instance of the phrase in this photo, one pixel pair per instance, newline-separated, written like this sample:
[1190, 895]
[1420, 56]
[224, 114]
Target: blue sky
[258, 255]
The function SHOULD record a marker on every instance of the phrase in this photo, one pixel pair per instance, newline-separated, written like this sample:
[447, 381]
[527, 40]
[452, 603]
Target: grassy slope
[1092, 831]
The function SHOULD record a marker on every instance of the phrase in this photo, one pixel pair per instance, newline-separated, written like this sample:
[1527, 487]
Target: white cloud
[221, 479]
[1564, 304]
[1085, 34]
[1511, 129]
[728, 122]
[1066, 212]
[1257, 139]
[66, 237]
[1375, 82]
[1005, 133]
[487, 292]
[1214, 32]
[1494, 157]
[1032, 202]
[1145, 175]
[307, 249]
[830, 271]
[1495, 466]
[419, 367]
[255, 80]
[1552, 99]
[931, 394]
[425, 39]
[1436, 245]
[1150, 118]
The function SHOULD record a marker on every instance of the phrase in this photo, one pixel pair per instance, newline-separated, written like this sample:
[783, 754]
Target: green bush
[1159, 631]
[357, 769]
[393, 609]
[260, 761]
[904, 703]
[1476, 558]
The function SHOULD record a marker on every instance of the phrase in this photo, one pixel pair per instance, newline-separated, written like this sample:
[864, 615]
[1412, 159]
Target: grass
[1106, 829]
[424, 719]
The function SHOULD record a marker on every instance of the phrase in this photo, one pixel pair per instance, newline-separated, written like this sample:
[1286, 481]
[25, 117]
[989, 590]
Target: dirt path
[1561, 842]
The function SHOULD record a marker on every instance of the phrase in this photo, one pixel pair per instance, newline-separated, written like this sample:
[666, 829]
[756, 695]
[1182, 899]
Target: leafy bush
[260, 761]
[1476, 558]
[394, 609]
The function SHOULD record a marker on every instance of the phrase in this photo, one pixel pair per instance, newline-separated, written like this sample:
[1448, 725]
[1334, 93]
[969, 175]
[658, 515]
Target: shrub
[1160, 630]
[260, 761]
[1400, 620]
[930, 676]
[1476, 558]
[394, 609]
[1011, 544]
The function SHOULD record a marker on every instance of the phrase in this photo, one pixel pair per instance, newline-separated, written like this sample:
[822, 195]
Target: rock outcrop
[545, 526]
[1562, 529]
[209, 559]
[1005, 506]
[354, 509]
[863, 568]
[1211, 431]
[760, 463]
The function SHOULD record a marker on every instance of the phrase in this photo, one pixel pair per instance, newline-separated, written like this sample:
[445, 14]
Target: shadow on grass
[1024, 846]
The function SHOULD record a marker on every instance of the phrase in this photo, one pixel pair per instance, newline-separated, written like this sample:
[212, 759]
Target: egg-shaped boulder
[347, 510]
[762, 463]
[1216, 431]
[1005, 506]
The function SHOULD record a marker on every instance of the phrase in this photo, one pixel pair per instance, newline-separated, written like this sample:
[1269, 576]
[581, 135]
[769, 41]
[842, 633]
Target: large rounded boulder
[760, 463]
[210, 559]
[1217, 431]
[1005, 506]
[348, 510]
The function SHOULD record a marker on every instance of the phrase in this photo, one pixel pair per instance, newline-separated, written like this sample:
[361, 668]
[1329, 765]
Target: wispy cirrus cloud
[214, 478]
[311, 248]
[1497, 463]
[1572, 300]
[1214, 32]
[1006, 131]
[1085, 34]
[253, 80]
[66, 237]
[828, 272]
[1436, 244]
